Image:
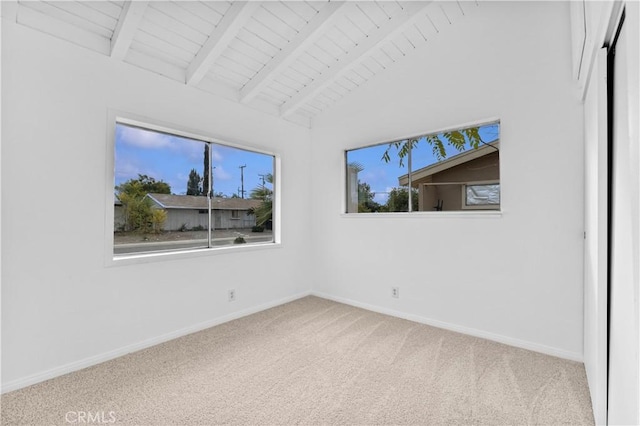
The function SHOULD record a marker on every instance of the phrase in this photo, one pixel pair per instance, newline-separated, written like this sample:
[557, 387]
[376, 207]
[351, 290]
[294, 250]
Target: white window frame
[115, 117]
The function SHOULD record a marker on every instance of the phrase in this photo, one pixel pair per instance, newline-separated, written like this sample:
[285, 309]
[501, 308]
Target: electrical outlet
[395, 292]
[232, 295]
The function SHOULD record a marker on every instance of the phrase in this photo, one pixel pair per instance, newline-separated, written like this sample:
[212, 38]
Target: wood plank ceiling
[293, 59]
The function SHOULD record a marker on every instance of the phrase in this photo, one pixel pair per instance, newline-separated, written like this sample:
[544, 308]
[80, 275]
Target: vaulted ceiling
[293, 59]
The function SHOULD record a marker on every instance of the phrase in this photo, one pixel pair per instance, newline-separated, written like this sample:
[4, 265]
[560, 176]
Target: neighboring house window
[171, 189]
[481, 196]
[454, 170]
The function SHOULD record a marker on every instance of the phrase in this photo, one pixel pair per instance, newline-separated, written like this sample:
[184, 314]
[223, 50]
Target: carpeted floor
[314, 361]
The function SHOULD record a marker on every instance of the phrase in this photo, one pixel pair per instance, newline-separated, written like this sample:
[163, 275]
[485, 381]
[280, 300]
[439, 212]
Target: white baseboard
[523, 344]
[97, 359]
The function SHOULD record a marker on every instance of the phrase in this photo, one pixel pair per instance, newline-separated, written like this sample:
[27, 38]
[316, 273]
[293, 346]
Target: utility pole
[242, 180]
[262, 178]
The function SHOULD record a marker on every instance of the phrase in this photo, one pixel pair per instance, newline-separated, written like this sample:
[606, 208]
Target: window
[452, 170]
[481, 196]
[174, 193]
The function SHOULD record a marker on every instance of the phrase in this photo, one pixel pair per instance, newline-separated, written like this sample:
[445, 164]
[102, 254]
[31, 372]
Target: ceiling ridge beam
[308, 35]
[130, 18]
[411, 11]
[233, 20]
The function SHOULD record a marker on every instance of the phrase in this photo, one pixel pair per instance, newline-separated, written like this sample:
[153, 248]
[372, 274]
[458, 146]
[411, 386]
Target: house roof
[451, 162]
[171, 201]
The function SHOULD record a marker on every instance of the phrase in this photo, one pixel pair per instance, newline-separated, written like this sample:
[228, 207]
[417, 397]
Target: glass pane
[153, 172]
[242, 200]
[161, 187]
[443, 163]
[373, 179]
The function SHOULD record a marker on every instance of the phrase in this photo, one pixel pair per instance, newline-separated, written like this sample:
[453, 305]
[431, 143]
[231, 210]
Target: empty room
[320, 212]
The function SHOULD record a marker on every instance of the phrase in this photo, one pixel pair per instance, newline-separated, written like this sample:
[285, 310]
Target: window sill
[466, 214]
[140, 258]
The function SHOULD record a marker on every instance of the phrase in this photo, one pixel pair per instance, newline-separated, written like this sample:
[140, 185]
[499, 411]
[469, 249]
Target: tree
[264, 212]
[158, 217]
[206, 190]
[194, 184]
[398, 200]
[456, 138]
[365, 199]
[138, 211]
[143, 185]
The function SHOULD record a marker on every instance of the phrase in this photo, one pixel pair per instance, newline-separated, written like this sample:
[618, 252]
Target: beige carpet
[314, 361]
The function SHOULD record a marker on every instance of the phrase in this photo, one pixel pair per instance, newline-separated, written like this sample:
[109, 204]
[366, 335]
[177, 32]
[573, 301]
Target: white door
[596, 234]
[624, 379]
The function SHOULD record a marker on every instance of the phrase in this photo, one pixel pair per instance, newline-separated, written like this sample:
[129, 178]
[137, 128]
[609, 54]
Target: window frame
[487, 212]
[115, 117]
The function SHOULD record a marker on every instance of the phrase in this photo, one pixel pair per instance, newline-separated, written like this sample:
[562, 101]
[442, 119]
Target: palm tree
[264, 212]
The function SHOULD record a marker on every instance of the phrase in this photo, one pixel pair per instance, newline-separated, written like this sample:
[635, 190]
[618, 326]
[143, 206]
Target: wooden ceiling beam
[226, 30]
[130, 18]
[411, 11]
[307, 36]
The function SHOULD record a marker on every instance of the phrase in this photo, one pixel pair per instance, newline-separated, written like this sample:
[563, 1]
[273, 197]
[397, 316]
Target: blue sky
[382, 177]
[171, 158]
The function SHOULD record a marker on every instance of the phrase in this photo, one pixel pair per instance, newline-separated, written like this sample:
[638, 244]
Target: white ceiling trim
[305, 38]
[393, 26]
[226, 30]
[132, 13]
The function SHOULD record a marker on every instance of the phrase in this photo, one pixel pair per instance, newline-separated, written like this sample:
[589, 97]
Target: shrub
[183, 228]
[257, 228]
[198, 228]
[239, 240]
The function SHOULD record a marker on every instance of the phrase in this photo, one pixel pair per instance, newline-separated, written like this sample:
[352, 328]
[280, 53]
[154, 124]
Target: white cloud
[143, 138]
[221, 174]
[215, 155]
[126, 170]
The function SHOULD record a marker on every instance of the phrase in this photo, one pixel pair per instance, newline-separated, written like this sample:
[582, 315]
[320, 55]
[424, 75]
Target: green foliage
[239, 240]
[158, 217]
[264, 212]
[458, 139]
[138, 211]
[143, 185]
[399, 200]
[365, 199]
[257, 228]
[194, 184]
[198, 228]
[183, 228]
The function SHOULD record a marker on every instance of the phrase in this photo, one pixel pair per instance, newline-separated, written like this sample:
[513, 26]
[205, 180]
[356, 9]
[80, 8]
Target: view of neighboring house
[469, 180]
[190, 211]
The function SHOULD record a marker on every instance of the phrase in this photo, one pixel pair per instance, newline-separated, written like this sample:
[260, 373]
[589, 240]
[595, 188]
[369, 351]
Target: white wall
[515, 278]
[62, 308]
